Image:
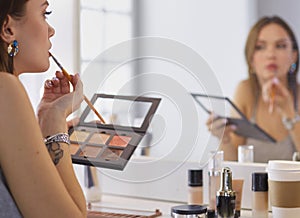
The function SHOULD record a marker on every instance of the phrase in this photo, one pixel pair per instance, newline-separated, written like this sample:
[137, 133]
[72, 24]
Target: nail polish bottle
[226, 196]
[260, 201]
[214, 178]
[195, 189]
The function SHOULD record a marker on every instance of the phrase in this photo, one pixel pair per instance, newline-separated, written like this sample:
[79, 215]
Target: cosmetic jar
[195, 189]
[188, 211]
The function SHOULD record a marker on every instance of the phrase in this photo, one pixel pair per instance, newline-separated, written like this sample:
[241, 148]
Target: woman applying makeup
[270, 96]
[36, 173]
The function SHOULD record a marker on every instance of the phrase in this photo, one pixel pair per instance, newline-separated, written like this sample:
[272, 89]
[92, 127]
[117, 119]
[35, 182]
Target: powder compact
[111, 144]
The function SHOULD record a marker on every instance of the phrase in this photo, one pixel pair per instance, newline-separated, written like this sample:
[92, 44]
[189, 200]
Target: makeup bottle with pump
[93, 191]
[195, 189]
[260, 201]
[226, 196]
[214, 177]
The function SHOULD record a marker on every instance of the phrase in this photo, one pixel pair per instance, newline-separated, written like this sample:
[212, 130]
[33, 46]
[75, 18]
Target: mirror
[218, 38]
[193, 32]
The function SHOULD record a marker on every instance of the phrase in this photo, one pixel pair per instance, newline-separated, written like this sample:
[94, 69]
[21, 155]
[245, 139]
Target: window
[103, 23]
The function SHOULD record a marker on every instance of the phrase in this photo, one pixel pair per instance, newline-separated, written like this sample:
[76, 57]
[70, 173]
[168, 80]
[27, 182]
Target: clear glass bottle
[214, 178]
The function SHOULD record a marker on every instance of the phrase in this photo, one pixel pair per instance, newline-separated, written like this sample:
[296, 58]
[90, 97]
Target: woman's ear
[8, 30]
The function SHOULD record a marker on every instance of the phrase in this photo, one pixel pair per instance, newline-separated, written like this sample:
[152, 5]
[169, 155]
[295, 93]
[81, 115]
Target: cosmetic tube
[226, 196]
[260, 200]
[237, 186]
[214, 177]
[195, 189]
[92, 189]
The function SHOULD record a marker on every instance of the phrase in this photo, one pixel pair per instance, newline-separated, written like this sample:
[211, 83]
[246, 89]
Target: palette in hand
[111, 145]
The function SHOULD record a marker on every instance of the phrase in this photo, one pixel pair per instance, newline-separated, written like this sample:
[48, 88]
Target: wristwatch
[289, 123]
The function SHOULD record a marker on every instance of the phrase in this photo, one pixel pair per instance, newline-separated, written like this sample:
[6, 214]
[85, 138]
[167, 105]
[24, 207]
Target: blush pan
[90, 151]
[121, 141]
[79, 136]
[112, 144]
[112, 154]
[99, 138]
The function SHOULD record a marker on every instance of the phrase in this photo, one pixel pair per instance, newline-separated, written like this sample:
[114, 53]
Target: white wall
[217, 30]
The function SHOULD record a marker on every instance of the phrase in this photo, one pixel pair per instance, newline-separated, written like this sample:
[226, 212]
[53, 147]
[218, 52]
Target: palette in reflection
[111, 145]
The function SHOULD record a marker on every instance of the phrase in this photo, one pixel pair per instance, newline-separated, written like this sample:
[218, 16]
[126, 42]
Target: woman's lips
[272, 67]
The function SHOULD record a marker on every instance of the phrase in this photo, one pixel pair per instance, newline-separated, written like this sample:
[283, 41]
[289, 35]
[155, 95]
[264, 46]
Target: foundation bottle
[195, 189]
[214, 178]
[260, 201]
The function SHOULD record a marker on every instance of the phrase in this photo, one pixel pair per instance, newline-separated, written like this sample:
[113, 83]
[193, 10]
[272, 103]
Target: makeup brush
[272, 98]
[272, 95]
[85, 98]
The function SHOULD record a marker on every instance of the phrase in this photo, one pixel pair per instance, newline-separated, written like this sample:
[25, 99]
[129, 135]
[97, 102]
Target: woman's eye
[259, 47]
[47, 13]
[281, 46]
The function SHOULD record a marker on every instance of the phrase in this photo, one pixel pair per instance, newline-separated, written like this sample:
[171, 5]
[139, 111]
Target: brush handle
[85, 98]
[93, 109]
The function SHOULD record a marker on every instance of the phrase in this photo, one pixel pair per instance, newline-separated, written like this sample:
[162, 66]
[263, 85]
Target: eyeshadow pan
[99, 138]
[79, 136]
[73, 148]
[121, 141]
[112, 154]
[90, 151]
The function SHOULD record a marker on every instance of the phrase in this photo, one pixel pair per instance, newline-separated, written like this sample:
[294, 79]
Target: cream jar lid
[188, 210]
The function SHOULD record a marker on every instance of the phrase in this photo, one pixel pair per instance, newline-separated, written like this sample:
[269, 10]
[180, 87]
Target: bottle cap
[260, 182]
[195, 177]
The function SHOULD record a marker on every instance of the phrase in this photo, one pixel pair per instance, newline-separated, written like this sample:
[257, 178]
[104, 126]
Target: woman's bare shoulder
[244, 97]
[10, 86]
[14, 100]
[243, 91]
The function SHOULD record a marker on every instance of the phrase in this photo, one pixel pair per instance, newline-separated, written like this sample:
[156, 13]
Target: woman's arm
[39, 188]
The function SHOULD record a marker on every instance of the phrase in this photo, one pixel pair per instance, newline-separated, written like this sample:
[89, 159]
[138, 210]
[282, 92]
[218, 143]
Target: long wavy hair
[16, 9]
[250, 49]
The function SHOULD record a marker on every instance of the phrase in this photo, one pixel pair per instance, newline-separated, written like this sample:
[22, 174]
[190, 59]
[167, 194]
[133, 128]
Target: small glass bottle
[214, 177]
[260, 200]
[226, 196]
[195, 189]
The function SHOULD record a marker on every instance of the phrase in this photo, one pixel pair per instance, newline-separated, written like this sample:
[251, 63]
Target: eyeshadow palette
[111, 145]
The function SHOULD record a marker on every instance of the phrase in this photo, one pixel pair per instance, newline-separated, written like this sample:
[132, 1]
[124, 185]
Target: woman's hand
[58, 102]
[278, 97]
[219, 127]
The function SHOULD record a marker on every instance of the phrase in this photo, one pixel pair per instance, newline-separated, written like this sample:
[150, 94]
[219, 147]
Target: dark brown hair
[250, 49]
[16, 9]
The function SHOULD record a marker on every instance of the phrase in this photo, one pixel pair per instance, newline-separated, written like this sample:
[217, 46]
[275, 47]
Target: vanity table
[120, 204]
[162, 193]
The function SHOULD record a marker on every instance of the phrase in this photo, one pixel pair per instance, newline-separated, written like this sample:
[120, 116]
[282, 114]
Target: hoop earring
[293, 68]
[13, 48]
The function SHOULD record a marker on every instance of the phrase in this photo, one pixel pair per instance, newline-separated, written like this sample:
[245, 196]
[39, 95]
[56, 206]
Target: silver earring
[13, 48]
[293, 68]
